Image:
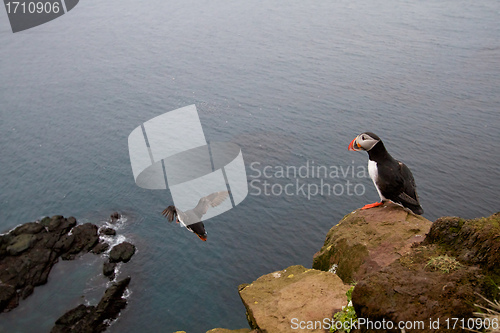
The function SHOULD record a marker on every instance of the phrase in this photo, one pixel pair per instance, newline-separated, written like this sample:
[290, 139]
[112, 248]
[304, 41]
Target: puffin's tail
[416, 209]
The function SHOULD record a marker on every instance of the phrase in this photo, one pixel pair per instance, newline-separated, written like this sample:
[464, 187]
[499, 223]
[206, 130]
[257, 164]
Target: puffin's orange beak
[354, 146]
[203, 238]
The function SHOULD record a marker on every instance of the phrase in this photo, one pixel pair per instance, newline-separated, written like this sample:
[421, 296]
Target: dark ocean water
[290, 82]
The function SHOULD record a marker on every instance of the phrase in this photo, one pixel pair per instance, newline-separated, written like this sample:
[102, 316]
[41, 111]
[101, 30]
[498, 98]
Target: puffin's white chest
[373, 172]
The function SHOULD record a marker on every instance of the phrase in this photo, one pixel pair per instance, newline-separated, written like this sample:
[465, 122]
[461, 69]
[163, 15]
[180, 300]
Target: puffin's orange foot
[375, 204]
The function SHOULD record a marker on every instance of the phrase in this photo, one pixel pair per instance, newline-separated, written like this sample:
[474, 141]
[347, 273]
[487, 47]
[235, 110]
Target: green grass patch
[347, 315]
[444, 264]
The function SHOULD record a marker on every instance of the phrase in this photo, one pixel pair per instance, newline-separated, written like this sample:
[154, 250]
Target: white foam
[118, 224]
[112, 241]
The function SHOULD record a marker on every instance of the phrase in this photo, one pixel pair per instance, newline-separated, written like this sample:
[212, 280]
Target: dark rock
[85, 238]
[29, 252]
[101, 247]
[95, 319]
[64, 243]
[28, 228]
[108, 269]
[4, 242]
[28, 290]
[115, 217]
[107, 231]
[122, 252]
[8, 296]
[5, 239]
[440, 278]
[112, 301]
[50, 239]
[73, 316]
[20, 244]
[38, 265]
[45, 221]
[57, 227]
[59, 223]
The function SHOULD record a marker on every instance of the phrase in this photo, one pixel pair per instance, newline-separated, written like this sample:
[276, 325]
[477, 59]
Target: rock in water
[94, 318]
[367, 240]
[70, 318]
[108, 269]
[274, 300]
[107, 231]
[101, 247]
[7, 295]
[121, 252]
[85, 238]
[29, 228]
[28, 252]
[20, 243]
[115, 217]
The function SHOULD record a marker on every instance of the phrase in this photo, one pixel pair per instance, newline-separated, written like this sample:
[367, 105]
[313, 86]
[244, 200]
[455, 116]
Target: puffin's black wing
[409, 197]
[170, 213]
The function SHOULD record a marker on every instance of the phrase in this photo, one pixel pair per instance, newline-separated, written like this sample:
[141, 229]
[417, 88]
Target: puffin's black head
[364, 141]
[199, 229]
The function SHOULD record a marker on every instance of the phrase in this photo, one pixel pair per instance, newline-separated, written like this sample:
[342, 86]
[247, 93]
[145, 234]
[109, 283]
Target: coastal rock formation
[407, 269]
[107, 231]
[365, 241]
[28, 252]
[97, 318]
[115, 217]
[101, 247]
[108, 269]
[121, 252]
[83, 238]
[441, 278]
[274, 301]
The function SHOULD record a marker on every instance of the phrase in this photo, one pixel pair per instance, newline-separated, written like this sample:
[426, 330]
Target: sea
[290, 82]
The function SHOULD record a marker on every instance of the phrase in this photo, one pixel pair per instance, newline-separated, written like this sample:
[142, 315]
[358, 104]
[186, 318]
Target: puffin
[191, 219]
[392, 178]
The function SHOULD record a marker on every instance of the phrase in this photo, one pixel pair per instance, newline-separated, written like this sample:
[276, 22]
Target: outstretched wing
[211, 200]
[170, 213]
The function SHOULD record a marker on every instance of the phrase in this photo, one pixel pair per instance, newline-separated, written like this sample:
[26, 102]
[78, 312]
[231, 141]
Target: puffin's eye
[362, 137]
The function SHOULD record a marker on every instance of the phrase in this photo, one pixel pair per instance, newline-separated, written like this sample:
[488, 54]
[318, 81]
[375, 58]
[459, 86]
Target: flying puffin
[393, 179]
[191, 219]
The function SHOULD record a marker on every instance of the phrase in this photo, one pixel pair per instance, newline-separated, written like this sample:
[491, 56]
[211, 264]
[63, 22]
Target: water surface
[289, 82]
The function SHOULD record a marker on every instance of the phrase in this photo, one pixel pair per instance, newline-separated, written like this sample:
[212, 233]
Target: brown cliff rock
[365, 241]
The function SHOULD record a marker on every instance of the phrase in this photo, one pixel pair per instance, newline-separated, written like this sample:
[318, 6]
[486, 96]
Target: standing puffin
[393, 179]
[191, 219]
